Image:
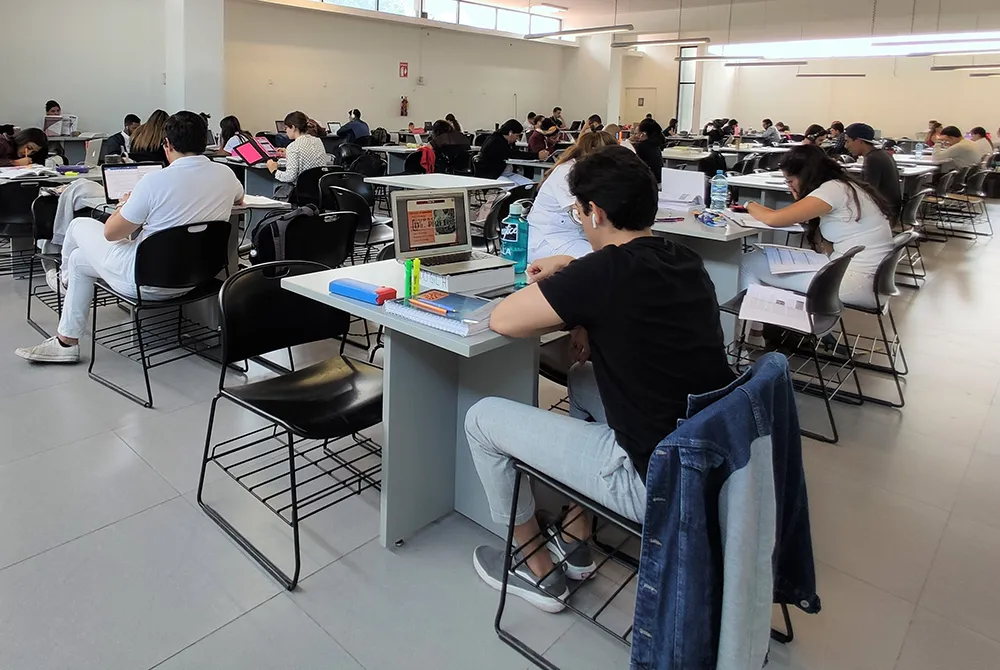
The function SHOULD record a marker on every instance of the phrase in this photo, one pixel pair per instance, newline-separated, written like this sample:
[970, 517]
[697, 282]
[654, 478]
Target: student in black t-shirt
[879, 169]
[645, 334]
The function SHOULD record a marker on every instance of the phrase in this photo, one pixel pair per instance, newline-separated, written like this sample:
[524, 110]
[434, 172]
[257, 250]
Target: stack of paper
[785, 260]
[31, 172]
[776, 306]
[682, 190]
[746, 221]
[261, 201]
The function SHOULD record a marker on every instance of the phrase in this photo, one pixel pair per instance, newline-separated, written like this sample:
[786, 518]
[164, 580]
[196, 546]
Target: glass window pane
[356, 4]
[477, 16]
[404, 7]
[512, 22]
[685, 107]
[688, 68]
[442, 10]
[544, 24]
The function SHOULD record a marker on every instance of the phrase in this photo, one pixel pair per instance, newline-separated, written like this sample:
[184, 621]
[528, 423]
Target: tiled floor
[106, 561]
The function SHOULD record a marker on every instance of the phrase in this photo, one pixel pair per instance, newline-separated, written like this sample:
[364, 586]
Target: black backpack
[380, 136]
[269, 236]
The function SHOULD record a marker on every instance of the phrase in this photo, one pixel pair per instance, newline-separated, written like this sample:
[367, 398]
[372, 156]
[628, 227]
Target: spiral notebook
[462, 315]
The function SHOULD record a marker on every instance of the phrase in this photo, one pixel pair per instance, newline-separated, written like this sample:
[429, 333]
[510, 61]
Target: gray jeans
[582, 455]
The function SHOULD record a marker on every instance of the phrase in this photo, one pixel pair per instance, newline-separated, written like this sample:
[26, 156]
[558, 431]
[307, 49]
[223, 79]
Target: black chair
[331, 144]
[352, 181]
[327, 238]
[935, 207]
[864, 349]
[489, 240]
[411, 164]
[43, 214]
[307, 188]
[347, 153]
[184, 257]
[454, 159]
[365, 141]
[554, 362]
[16, 225]
[369, 165]
[910, 221]
[387, 253]
[368, 235]
[970, 198]
[523, 192]
[292, 465]
[825, 310]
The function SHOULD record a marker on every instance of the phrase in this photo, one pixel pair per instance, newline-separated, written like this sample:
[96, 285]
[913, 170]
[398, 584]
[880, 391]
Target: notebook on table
[462, 315]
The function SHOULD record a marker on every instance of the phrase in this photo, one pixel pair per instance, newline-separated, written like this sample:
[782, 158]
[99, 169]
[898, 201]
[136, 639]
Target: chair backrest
[944, 182]
[491, 226]
[823, 294]
[344, 200]
[16, 198]
[183, 256]
[258, 316]
[522, 192]
[712, 163]
[845, 158]
[411, 165]
[352, 181]
[747, 164]
[975, 183]
[347, 153]
[387, 253]
[885, 275]
[454, 159]
[326, 238]
[43, 216]
[307, 185]
[369, 165]
[958, 182]
[331, 144]
[911, 207]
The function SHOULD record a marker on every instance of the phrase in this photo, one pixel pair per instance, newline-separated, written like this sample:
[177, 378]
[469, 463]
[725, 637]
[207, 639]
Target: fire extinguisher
[404, 106]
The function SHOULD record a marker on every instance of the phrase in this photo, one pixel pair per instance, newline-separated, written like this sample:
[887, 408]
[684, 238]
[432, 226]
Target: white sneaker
[52, 279]
[50, 351]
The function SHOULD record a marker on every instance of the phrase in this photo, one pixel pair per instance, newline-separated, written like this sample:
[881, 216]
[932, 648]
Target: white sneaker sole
[41, 358]
[574, 572]
[542, 602]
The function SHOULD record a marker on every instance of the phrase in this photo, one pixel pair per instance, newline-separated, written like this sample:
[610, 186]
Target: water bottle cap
[516, 209]
[718, 172]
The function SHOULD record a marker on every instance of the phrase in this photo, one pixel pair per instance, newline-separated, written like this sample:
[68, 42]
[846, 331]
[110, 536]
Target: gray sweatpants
[582, 455]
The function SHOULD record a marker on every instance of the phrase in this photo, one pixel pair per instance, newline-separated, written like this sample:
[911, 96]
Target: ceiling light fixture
[985, 74]
[830, 75]
[546, 8]
[931, 40]
[992, 50]
[711, 59]
[581, 32]
[766, 63]
[679, 42]
[954, 68]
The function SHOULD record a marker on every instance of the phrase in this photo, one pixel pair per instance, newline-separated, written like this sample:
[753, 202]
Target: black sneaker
[547, 596]
[576, 558]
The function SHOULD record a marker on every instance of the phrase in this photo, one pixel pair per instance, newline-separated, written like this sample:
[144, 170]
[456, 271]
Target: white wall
[655, 69]
[281, 59]
[100, 60]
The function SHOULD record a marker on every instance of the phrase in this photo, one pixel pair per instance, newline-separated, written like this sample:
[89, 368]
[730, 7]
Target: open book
[776, 306]
[29, 172]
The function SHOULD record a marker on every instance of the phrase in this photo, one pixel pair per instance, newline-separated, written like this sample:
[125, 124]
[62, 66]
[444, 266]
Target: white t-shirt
[551, 229]
[985, 148]
[844, 229]
[192, 189]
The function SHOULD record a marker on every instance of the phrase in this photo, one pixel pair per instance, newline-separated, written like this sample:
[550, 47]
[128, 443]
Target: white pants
[86, 257]
[857, 288]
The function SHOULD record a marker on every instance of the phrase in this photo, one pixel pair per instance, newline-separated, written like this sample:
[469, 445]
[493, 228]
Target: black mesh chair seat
[207, 290]
[554, 360]
[331, 399]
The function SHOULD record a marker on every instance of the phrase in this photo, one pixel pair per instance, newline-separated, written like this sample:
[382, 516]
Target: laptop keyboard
[461, 257]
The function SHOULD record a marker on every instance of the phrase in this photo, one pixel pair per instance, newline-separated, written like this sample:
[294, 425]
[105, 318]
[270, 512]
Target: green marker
[409, 278]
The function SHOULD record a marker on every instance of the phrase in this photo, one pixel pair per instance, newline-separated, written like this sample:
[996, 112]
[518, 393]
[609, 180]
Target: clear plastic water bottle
[919, 149]
[720, 191]
[514, 238]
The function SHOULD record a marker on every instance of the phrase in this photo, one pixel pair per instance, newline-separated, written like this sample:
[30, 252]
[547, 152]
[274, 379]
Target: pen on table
[670, 219]
[408, 289]
[416, 276]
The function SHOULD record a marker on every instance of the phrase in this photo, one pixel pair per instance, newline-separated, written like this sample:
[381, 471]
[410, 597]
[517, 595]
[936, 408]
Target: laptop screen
[250, 152]
[333, 127]
[121, 179]
[266, 145]
[279, 126]
[430, 221]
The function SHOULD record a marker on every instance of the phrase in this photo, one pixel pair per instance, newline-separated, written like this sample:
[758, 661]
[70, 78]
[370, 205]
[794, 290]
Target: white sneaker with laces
[50, 351]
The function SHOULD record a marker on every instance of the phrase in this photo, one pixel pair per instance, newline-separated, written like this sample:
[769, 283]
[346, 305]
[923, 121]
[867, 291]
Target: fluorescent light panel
[710, 59]
[767, 63]
[985, 74]
[680, 42]
[862, 47]
[830, 75]
[953, 68]
[546, 8]
[580, 32]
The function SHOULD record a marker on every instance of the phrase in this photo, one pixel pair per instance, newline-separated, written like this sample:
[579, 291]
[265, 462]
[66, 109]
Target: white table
[905, 170]
[437, 181]
[684, 155]
[532, 169]
[75, 147]
[910, 159]
[770, 187]
[754, 149]
[93, 175]
[431, 380]
[721, 248]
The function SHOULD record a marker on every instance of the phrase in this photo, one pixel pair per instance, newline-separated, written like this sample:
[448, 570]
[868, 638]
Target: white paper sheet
[785, 260]
[776, 306]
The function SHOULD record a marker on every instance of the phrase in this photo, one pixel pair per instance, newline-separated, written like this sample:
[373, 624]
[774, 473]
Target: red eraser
[383, 293]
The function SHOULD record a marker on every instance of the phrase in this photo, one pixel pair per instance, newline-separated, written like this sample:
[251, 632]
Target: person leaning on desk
[23, 148]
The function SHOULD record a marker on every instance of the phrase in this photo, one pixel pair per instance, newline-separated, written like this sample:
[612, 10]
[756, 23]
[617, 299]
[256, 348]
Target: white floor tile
[934, 643]
[979, 498]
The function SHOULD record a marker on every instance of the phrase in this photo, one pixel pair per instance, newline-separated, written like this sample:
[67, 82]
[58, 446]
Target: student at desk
[543, 141]
[850, 213]
[551, 228]
[954, 152]
[354, 129]
[305, 152]
[191, 190]
[879, 169]
[146, 145]
[648, 142]
[53, 108]
[499, 148]
[23, 148]
[118, 144]
[232, 134]
[646, 335]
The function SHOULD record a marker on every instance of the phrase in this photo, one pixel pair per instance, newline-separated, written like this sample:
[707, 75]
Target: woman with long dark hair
[232, 134]
[648, 141]
[304, 153]
[849, 212]
[23, 148]
[450, 118]
[815, 134]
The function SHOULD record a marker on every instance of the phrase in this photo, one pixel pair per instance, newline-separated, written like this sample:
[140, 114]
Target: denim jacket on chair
[726, 531]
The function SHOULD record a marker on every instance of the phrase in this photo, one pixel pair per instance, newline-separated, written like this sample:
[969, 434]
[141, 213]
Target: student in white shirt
[305, 152]
[850, 213]
[192, 189]
[232, 134]
[980, 139]
[551, 228]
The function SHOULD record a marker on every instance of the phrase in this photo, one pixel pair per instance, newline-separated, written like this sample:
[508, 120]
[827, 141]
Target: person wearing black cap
[879, 168]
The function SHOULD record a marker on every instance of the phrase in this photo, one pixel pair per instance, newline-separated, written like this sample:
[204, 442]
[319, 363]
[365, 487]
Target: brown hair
[149, 136]
[587, 144]
[297, 120]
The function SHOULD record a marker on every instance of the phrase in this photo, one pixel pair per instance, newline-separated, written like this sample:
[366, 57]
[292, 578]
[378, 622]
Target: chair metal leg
[826, 401]
[789, 634]
[31, 294]
[146, 402]
[892, 365]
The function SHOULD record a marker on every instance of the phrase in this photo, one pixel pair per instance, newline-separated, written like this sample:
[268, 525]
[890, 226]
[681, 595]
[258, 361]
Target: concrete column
[195, 56]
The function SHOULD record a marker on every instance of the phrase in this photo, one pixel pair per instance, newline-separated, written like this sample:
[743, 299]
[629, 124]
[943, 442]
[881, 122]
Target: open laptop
[121, 179]
[434, 226]
[428, 126]
[279, 126]
[333, 127]
[575, 125]
[93, 158]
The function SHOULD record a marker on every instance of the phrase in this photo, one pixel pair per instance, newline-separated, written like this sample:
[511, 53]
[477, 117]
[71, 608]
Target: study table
[75, 146]
[675, 155]
[911, 159]
[437, 181]
[769, 188]
[431, 379]
[532, 169]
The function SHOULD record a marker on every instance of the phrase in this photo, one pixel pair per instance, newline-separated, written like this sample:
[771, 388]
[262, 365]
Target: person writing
[543, 142]
[671, 130]
[355, 128]
[648, 142]
[305, 151]
[981, 139]
[646, 335]
[146, 145]
[25, 147]
[879, 169]
[551, 228]
[191, 189]
[118, 144]
[557, 117]
[450, 118]
[850, 213]
[933, 128]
